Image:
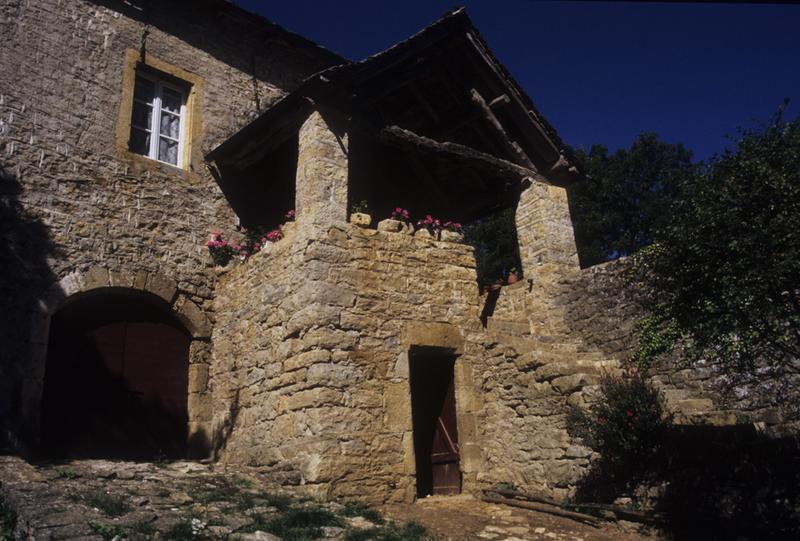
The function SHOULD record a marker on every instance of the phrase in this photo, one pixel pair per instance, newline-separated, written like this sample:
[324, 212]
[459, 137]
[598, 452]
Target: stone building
[356, 361]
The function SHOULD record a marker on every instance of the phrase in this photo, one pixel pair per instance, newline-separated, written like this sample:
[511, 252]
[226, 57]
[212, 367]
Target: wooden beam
[495, 167]
[512, 149]
[499, 101]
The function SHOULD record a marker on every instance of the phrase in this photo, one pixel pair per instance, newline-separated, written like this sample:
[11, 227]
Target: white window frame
[155, 121]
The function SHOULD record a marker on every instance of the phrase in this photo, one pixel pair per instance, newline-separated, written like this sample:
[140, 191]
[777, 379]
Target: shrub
[627, 423]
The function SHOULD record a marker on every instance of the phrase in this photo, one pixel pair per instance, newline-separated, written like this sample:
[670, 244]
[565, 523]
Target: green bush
[628, 421]
[8, 521]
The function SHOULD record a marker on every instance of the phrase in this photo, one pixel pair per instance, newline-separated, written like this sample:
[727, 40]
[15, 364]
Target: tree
[618, 207]
[724, 274]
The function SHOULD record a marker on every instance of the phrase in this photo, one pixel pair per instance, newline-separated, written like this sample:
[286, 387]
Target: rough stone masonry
[299, 358]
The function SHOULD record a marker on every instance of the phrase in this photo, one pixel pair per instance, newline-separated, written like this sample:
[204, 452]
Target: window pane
[171, 100]
[142, 115]
[144, 90]
[168, 151]
[139, 142]
[170, 125]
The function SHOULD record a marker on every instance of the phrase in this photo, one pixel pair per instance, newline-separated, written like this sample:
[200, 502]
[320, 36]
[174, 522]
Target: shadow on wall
[711, 483]
[25, 246]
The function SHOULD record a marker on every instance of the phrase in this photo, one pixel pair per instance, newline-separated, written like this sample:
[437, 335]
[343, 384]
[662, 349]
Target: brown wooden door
[433, 409]
[116, 381]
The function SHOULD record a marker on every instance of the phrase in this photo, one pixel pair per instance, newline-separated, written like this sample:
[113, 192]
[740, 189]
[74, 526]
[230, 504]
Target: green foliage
[67, 473]
[107, 531]
[361, 510]
[186, 529]
[496, 247]
[723, 278]
[627, 423]
[113, 505]
[8, 521]
[301, 524]
[617, 209]
[410, 531]
[141, 530]
[360, 206]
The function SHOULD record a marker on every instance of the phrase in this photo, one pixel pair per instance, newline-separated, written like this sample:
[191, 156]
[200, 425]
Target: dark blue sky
[601, 72]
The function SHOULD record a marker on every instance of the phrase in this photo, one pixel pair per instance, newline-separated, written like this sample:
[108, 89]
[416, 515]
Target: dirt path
[104, 500]
[465, 518]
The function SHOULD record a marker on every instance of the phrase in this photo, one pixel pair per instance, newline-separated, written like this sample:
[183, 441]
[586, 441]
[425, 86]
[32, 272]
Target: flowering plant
[453, 226]
[360, 206]
[401, 215]
[434, 225]
[221, 251]
[275, 235]
[289, 216]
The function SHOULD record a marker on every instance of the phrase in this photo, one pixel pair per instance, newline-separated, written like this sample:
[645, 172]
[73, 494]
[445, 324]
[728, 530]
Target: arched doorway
[116, 379]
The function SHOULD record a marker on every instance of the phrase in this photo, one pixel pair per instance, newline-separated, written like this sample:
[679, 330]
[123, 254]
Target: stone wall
[311, 356]
[73, 198]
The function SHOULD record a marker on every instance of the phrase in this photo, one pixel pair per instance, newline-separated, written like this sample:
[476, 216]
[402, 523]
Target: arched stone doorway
[116, 378]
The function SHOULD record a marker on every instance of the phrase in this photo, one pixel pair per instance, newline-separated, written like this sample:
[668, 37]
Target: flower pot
[360, 219]
[451, 236]
[390, 226]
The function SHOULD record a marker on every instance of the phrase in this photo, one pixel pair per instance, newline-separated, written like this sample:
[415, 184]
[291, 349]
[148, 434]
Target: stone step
[533, 358]
[712, 418]
[516, 328]
[691, 406]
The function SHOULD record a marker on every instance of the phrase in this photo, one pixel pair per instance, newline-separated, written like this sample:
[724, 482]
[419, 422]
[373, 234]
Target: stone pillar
[321, 182]
[544, 231]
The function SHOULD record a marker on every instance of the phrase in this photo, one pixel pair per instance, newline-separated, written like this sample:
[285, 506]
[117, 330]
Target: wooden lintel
[496, 167]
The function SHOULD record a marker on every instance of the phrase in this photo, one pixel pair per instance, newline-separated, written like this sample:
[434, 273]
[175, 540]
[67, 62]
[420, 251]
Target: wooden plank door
[435, 432]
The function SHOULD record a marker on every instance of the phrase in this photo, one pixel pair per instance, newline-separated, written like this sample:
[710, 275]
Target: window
[158, 120]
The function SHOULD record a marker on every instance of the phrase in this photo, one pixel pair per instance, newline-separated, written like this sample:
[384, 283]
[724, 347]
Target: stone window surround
[192, 125]
[158, 289]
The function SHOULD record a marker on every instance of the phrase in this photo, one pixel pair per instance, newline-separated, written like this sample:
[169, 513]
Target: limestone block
[423, 234]
[436, 334]
[397, 405]
[574, 382]
[200, 407]
[198, 378]
[193, 317]
[310, 398]
[140, 280]
[161, 286]
[306, 359]
[471, 457]
[361, 219]
[390, 226]
[334, 375]
[121, 278]
[451, 236]
[96, 278]
[409, 460]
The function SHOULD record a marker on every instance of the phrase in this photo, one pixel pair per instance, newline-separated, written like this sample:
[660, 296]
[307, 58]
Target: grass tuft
[410, 531]
[361, 510]
[107, 531]
[8, 521]
[110, 504]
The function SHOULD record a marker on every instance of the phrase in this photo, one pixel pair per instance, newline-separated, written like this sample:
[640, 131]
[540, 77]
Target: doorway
[433, 411]
[116, 380]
